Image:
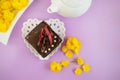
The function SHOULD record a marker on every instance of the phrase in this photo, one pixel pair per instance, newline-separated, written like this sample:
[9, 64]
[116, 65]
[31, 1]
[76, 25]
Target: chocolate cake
[43, 39]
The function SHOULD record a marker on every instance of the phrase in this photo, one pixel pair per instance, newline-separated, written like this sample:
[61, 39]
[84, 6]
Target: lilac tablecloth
[98, 30]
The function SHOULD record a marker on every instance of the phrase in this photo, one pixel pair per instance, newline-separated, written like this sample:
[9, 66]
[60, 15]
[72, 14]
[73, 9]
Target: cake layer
[43, 39]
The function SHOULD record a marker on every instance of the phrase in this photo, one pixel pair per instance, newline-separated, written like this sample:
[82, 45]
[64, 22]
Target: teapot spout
[52, 9]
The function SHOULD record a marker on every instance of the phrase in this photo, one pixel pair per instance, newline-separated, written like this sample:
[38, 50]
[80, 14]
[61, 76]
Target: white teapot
[69, 8]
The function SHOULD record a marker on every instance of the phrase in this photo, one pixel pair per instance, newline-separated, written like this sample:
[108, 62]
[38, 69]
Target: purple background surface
[98, 30]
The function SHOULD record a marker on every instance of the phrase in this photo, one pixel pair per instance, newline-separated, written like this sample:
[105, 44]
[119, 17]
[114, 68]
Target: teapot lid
[73, 3]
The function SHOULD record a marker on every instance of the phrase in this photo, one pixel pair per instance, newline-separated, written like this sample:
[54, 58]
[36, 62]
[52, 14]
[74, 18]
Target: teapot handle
[53, 8]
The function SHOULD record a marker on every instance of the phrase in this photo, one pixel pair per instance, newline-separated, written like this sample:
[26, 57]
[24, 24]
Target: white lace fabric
[55, 24]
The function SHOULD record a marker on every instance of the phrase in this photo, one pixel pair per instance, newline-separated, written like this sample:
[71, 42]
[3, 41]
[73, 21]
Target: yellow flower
[8, 16]
[1, 20]
[78, 46]
[69, 54]
[55, 66]
[8, 10]
[71, 47]
[78, 71]
[69, 40]
[5, 4]
[19, 4]
[68, 45]
[74, 41]
[76, 51]
[65, 63]
[80, 61]
[0, 15]
[73, 44]
[86, 67]
[3, 26]
[64, 49]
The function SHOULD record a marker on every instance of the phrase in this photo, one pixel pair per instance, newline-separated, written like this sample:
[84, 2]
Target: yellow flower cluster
[57, 67]
[83, 67]
[72, 45]
[19, 4]
[8, 10]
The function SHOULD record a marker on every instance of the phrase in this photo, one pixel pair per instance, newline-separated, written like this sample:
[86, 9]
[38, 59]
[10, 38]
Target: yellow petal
[86, 67]
[3, 27]
[69, 54]
[78, 71]
[0, 15]
[5, 4]
[76, 51]
[55, 66]
[80, 61]
[19, 4]
[64, 49]
[65, 63]
[8, 15]
[74, 41]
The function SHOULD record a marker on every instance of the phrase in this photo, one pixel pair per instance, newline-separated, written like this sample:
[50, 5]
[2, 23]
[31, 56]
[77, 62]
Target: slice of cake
[43, 39]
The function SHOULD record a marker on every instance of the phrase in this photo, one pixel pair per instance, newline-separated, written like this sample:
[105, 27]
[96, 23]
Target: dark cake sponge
[44, 48]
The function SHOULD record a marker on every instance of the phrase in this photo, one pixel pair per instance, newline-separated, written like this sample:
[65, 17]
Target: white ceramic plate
[4, 37]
